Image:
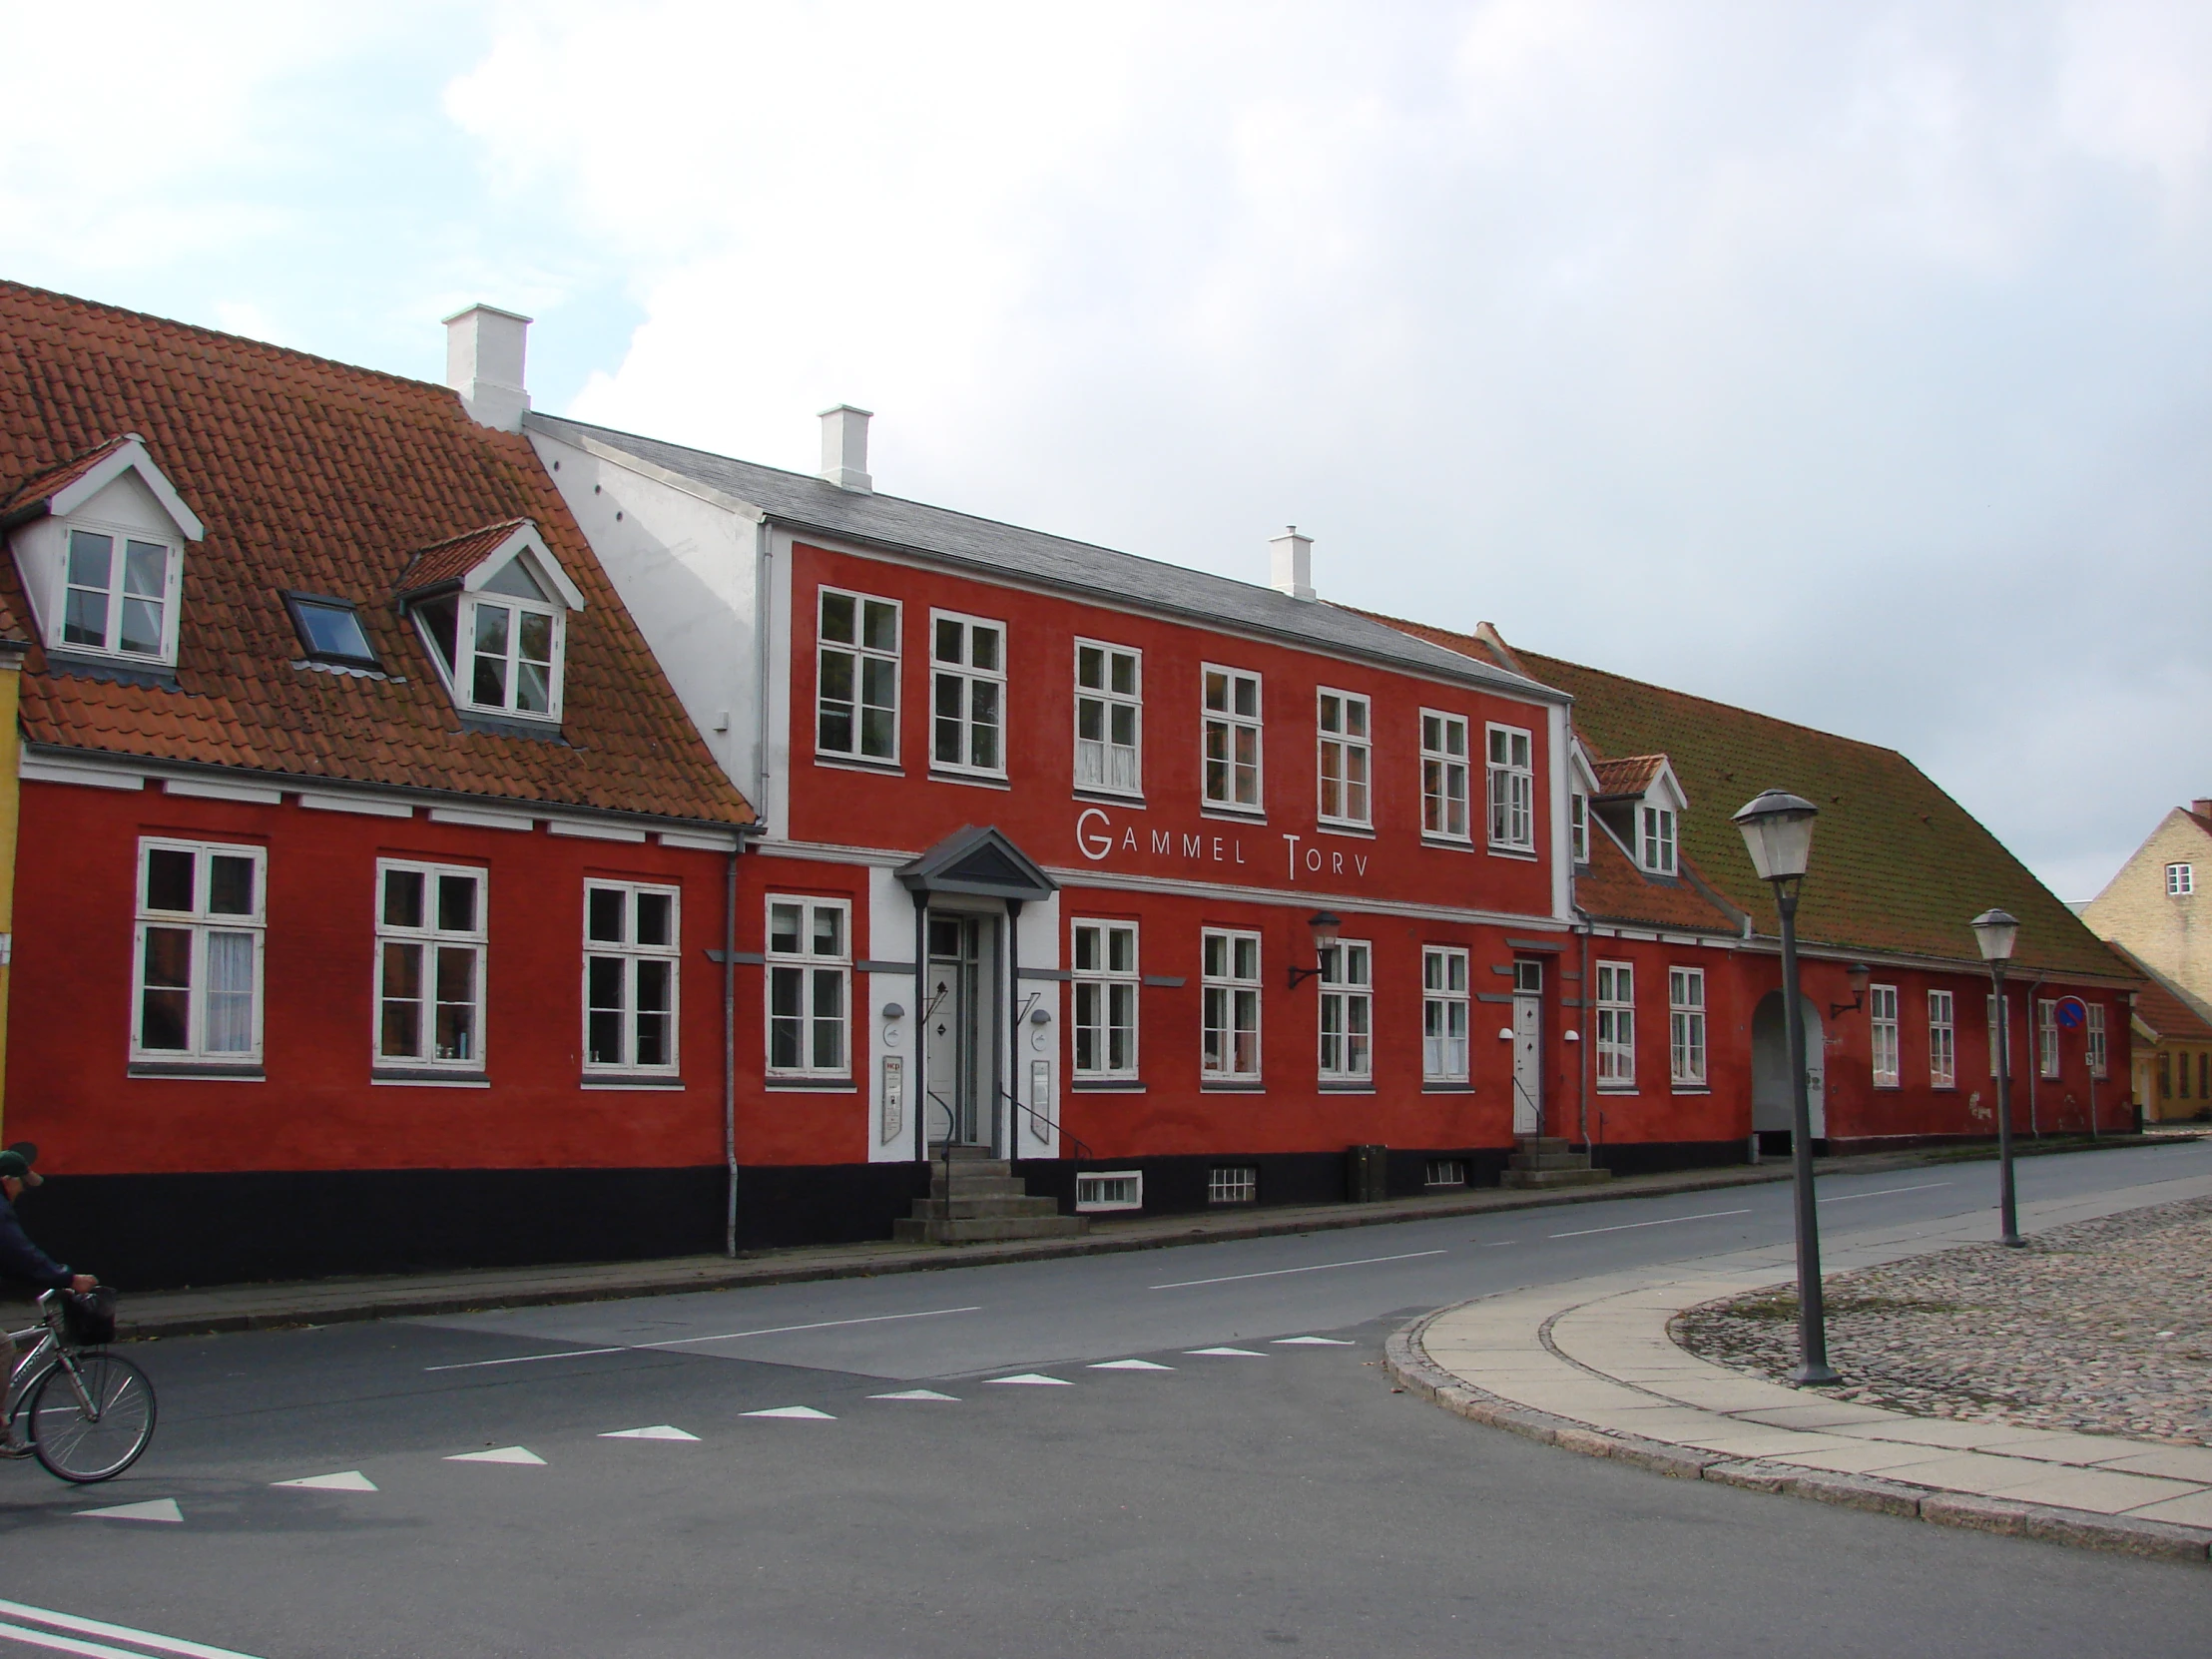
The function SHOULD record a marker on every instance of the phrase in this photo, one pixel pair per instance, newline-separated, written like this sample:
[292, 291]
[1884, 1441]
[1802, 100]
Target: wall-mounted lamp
[1037, 1017]
[1856, 976]
[892, 1010]
[1505, 1033]
[1324, 926]
[1571, 1036]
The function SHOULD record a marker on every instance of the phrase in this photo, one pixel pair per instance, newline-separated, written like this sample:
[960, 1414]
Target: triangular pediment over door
[979, 862]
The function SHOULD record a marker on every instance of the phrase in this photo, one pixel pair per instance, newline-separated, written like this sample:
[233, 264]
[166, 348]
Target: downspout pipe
[730, 1045]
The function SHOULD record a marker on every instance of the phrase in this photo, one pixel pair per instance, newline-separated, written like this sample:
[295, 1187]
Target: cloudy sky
[1849, 361]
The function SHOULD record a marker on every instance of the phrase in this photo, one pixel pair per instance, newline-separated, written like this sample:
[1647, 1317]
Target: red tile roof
[38, 489]
[1613, 889]
[1898, 865]
[452, 559]
[1629, 775]
[320, 476]
[2164, 1006]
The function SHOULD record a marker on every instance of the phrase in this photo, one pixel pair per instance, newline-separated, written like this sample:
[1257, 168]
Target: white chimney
[484, 363]
[845, 448]
[1294, 564]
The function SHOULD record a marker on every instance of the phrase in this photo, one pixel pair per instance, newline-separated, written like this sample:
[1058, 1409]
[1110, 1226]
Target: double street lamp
[1778, 834]
[1997, 933]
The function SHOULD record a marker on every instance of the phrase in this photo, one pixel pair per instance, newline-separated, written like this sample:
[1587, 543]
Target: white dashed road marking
[659, 1431]
[161, 1509]
[1314, 1341]
[1315, 1267]
[1923, 1187]
[1035, 1379]
[1128, 1365]
[1664, 1220]
[352, 1481]
[1228, 1353]
[503, 1455]
[142, 1641]
[797, 1414]
[689, 1341]
[919, 1393]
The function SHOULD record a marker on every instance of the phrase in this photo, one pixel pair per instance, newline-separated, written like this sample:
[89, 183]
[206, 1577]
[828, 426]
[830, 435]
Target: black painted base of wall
[1178, 1185]
[1664, 1157]
[161, 1231]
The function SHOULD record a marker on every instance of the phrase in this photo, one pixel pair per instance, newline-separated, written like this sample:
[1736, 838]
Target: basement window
[1237, 1185]
[1446, 1171]
[330, 630]
[1120, 1189]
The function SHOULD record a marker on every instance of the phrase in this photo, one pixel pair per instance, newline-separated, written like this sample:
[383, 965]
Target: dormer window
[330, 631]
[494, 607]
[117, 593]
[1658, 841]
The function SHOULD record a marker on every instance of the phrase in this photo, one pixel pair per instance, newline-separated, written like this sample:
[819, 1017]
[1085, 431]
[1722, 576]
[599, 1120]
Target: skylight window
[330, 630]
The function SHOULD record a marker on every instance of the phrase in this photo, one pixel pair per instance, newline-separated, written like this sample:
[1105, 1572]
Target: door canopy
[979, 864]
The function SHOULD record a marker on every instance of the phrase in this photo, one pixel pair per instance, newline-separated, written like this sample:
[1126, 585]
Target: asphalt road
[1205, 1504]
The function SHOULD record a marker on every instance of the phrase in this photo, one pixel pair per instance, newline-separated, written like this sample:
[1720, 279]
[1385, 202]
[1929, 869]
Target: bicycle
[84, 1412]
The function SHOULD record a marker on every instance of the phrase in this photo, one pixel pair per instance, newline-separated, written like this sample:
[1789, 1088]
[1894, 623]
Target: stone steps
[977, 1199]
[1544, 1161]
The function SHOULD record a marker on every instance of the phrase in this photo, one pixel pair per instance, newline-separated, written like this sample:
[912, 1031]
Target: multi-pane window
[1686, 1026]
[1443, 776]
[856, 677]
[430, 939]
[1512, 789]
[1232, 738]
[1105, 986]
[1109, 718]
[631, 951]
[1578, 826]
[1659, 839]
[2182, 879]
[1997, 1025]
[1942, 1050]
[2046, 1036]
[117, 593]
[1346, 1012]
[515, 640]
[968, 669]
[2100, 1057]
[1616, 1025]
[201, 925]
[1239, 1184]
[1444, 1014]
[1882, 1018]
[1230, 1005]
[809, 980]
[1341, 723]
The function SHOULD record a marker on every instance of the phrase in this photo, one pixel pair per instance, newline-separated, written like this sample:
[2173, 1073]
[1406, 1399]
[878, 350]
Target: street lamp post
[1997, 934]
[1778, 834]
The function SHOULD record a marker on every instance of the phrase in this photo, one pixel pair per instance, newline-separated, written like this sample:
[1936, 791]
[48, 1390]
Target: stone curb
[1409, 1365]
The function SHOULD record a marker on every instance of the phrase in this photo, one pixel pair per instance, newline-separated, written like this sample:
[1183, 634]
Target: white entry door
[1528, 1077]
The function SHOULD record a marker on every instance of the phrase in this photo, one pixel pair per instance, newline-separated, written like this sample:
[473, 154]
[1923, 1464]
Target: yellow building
[2172, 1070]
[2159, 906]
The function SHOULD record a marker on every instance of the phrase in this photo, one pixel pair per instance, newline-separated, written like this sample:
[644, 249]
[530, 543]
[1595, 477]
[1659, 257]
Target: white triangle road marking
[804, 1413]
[1034, 1380]
[504, 1455]
[1127, 1365]
[160, 1509]
[659, 1431]
[352, 1481]
[1228, 1353]
[919, 1393]
[1314, 1341]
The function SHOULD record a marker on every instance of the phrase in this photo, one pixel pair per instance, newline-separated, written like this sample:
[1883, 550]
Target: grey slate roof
[796, 501]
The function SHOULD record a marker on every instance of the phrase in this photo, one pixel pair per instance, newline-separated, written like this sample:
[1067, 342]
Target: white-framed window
[1996, 1026]
[1237, 1184]
[809, 987]
[1228, 965]
[1578, 826]
[202, 926]
[2181, 880]
[1444, 1014]
[2046, 1036]
[1443, 776]
[1105, 983]
[1942, 1040]
[856, 676]
[968, 709]
[1658, 840]
[1512, 789]
[1109, 718]
[1109, 1189]
[430, 945]
[119, 593]
[1616, 1025]
[1232, 738]
[503, 645]
[1446, 1171]
[1347, 1012]
[632, 950]
[1341, 726]
[1686, 1026]
[1882, 1020]
[2100, 1056]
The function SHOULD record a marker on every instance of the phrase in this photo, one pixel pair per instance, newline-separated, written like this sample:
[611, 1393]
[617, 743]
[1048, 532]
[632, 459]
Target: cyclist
[21, 1259]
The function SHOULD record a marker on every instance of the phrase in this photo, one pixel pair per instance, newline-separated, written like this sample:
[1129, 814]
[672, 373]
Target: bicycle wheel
[100, 1444]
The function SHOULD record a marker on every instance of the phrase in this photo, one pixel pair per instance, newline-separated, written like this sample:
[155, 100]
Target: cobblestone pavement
[2103, 1326]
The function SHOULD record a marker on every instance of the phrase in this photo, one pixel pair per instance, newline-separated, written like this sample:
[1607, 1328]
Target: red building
[366, 862]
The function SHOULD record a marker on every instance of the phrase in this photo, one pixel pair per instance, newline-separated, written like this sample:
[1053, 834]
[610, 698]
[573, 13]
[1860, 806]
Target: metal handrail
[1052, 1128]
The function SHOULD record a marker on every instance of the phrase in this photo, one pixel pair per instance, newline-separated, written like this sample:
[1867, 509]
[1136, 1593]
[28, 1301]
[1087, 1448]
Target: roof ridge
[174, 324]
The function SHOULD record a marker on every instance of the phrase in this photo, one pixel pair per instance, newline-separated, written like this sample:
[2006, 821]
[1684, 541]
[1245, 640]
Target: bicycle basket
[89, 1319]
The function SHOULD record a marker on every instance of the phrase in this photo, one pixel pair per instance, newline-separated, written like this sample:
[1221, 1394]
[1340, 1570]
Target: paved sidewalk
[1589, 1366]
[425, 1295]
